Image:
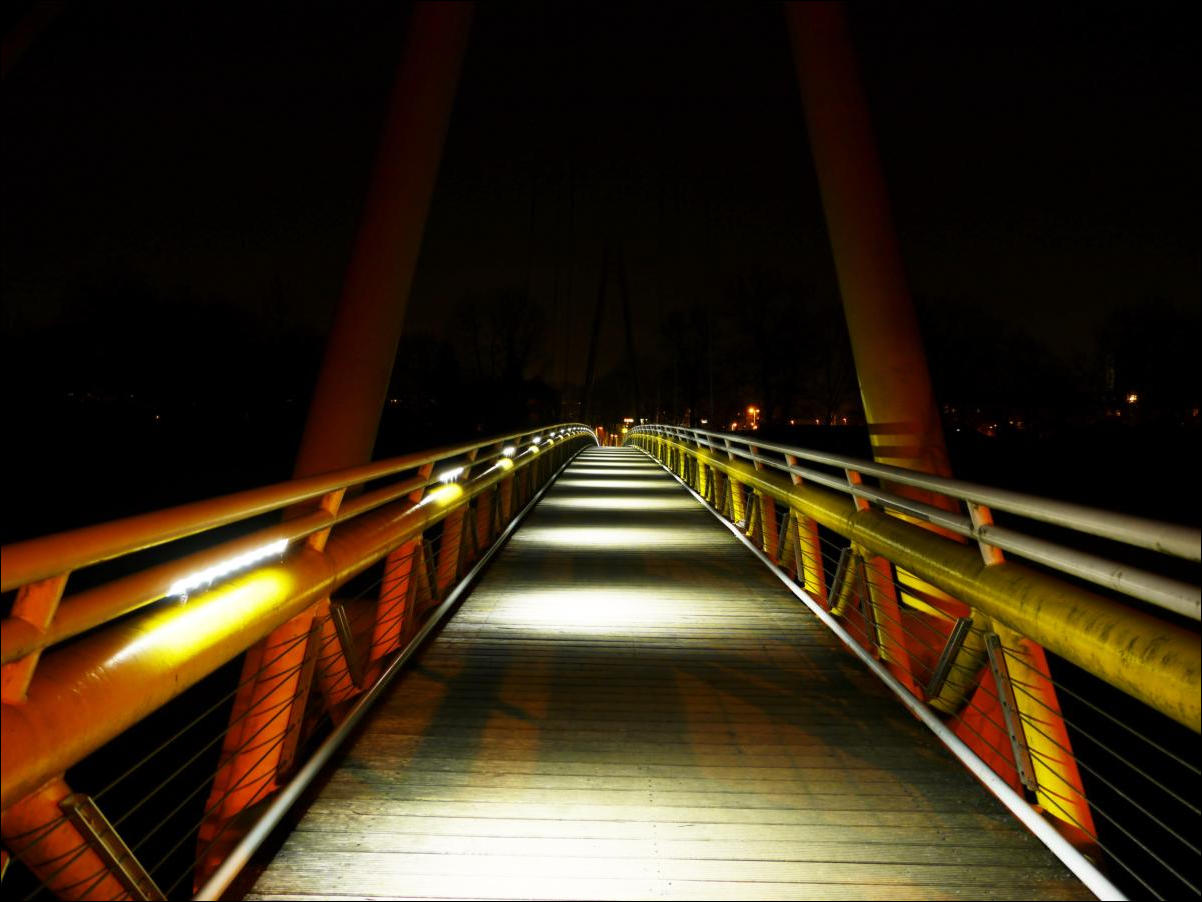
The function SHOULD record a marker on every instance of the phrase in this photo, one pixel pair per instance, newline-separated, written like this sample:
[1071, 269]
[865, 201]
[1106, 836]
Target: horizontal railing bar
[135, 666]
[957, 523]
[35, 559]
[241, 854]
[1081, 867]
[1178, 541]
[940, 517]
[90, 608]
[1145, 657]
[1170, 594]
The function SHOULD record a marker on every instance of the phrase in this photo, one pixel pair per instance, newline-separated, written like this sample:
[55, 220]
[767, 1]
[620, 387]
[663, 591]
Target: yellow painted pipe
[1149, 659]
[29, 561]
[86, 694]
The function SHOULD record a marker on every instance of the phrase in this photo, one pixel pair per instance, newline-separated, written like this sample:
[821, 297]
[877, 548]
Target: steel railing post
[35, 604]
[41, 836]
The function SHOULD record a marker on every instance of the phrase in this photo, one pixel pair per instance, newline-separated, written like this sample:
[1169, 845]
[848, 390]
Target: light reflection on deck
[630, 706]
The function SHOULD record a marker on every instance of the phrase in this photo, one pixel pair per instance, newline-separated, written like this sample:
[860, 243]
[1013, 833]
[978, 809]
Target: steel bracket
[951, 648]
[1009, 706]
[83, 813]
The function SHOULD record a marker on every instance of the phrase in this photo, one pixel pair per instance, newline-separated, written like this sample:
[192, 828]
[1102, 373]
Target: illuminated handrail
[36, 559]
[961, 635]
[1166, 538]
[155, 632]
[1147, 658]
[143, 671]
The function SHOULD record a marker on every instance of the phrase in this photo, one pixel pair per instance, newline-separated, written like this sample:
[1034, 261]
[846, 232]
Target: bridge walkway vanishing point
[629, 704]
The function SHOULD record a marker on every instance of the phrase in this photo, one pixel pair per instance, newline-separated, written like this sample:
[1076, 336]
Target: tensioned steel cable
[1087, 872]
[360, 619]
[1061, 687]
[184, 837]
[1030, 693]
[518, 489]
[1003, 755]
[74, 853]
[246, 744]
[212, 709]
[1135, 768]
[1118, 825]
[1035, 724]
[1110, 852]
[283, 676]
[79, 850]
[224, 827]
[249, 741]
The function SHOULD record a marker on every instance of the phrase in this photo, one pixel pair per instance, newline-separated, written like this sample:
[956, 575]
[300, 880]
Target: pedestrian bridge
[690, 667]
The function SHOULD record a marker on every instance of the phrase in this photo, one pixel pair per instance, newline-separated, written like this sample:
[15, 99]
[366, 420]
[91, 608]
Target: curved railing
[958, 610]
[326, 580]
[974, 522]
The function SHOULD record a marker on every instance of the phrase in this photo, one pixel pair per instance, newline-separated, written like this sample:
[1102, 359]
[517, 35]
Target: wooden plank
[384, 874]
[739, 849]
[624, 769]
[457, 887]
[629, 706]
[850, 816]
[955, 830]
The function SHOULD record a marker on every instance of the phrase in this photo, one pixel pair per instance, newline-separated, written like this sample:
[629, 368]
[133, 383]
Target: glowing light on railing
[450, 475]
[210, 575]
[536, 440]
[442, 494]
[509, 451]
[446, 494]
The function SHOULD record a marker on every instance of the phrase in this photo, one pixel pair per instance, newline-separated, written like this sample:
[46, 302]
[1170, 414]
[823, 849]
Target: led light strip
[209, 575]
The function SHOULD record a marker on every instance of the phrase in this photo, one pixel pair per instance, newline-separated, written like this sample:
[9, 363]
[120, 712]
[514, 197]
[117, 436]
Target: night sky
[1042, 162]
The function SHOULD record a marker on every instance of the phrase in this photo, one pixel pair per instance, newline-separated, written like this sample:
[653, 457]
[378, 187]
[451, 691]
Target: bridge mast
[899, 405]
[903, 422]
[351, 386]
[344, 415]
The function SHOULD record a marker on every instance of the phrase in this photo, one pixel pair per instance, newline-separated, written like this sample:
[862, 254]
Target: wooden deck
[630, 706]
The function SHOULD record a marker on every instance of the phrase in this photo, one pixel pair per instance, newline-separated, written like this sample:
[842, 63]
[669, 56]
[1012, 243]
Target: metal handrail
[151, 657]
[35, 559]
[41, 558]
[238, 857]
[1166, 538]
[962, 633]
